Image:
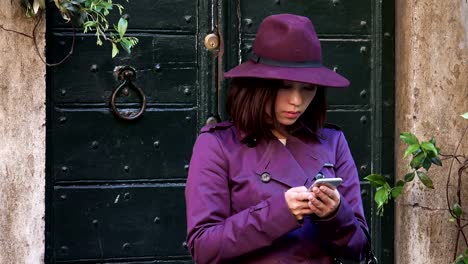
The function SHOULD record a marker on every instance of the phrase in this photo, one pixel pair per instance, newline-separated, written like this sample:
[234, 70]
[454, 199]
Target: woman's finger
[301, 196]
[332, 193]
[298, 189]
[316, 202]
[324, 197]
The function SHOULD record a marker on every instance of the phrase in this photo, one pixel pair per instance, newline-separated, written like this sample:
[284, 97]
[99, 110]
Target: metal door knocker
[127, 75]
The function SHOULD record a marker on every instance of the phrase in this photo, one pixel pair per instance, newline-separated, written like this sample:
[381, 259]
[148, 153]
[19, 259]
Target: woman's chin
[287, 121]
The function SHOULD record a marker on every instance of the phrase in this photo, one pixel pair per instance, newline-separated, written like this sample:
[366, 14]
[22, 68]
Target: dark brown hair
[249, 97]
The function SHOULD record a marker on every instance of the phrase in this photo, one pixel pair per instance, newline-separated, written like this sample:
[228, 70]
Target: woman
[247, 197]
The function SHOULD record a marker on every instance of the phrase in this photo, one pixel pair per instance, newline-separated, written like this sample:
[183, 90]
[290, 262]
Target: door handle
[211, 41]
[127, 75]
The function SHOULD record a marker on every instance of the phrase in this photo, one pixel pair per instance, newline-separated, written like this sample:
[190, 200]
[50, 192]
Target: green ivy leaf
[396, 191]
[409, 138]
[425, 179]
[465, 115]
[41, 3]
[409, 177]
[400, 183]
[429, 147]
[122, 26]
[412, 148]
[120, 7]
[457, 210]
[417, 160]
[436, 161]
[38, 4]
[79, 18]
[381, 198]
[462, 258]
[427, 163]
[126, 45]
[376, 180]
[115, 50]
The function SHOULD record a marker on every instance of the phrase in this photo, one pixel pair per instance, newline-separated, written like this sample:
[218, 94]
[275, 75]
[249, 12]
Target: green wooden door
[115, 188]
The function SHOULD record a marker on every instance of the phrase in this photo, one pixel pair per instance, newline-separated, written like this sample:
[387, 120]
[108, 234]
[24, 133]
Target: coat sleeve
[213, 233]
[343, 231]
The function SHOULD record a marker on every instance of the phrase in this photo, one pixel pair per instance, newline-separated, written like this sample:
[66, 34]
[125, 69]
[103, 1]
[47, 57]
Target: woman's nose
[295, 97]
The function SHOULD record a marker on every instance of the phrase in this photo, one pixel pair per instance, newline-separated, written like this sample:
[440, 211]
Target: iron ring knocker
[127, 75]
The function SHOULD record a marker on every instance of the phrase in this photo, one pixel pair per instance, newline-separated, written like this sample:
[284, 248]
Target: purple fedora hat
[286, 47]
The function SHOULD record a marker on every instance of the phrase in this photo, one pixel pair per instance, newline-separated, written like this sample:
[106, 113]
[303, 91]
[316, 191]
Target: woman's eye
[310, 88]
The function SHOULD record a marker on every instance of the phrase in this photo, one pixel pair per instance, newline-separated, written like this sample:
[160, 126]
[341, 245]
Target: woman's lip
[291, 114]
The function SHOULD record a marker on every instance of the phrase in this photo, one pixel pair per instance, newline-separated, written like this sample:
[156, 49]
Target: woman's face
[292, 100]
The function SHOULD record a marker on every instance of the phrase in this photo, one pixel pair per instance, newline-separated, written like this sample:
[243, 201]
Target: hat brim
[320, 75]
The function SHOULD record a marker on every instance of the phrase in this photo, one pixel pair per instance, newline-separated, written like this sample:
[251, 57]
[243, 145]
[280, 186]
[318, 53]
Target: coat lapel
[308, 155]
[292, 165]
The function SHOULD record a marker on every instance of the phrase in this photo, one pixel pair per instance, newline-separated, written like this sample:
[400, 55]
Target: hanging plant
[91, 16]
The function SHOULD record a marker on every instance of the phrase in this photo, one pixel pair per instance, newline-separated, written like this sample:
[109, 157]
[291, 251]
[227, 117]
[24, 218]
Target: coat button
[266, 177]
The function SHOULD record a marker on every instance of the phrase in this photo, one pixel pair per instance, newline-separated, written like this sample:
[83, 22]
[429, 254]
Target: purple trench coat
[236, 210]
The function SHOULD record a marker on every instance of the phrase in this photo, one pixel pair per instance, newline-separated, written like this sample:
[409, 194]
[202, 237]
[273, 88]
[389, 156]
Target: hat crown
[287, 37]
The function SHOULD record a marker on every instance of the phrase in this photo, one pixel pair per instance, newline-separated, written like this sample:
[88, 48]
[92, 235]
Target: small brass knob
[211, 41]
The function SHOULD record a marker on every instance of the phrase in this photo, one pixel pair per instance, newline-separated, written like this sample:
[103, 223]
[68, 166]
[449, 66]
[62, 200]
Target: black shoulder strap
[370, 257]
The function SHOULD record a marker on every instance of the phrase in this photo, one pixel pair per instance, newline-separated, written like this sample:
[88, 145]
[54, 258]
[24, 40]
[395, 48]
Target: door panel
[119, 221]
[166, 72]
[356, 127]
[156, 147]
[329, 16]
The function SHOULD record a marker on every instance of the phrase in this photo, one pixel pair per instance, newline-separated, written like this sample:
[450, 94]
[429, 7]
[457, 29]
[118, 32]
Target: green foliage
[462, 258]
[456, 210]
[91, 15]
[409, 138]
[384, 192]
[411, 149]
[376, 180]
[424, 154]
[33, 6]
[425, 179]
[409, 177]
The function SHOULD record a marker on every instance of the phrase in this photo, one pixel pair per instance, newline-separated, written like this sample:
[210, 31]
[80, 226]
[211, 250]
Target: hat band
[290, 64]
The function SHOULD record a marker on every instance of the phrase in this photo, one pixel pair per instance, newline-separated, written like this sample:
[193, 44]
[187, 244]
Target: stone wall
[431, 93]
[22, 135]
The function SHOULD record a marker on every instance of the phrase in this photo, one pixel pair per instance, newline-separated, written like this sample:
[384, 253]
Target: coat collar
[299, 128]
[292, 165]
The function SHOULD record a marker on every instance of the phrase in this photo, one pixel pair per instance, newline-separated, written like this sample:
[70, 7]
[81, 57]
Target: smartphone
[332, 182]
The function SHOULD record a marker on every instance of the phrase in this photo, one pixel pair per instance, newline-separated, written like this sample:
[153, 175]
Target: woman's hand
[297, 199]
[324, 201]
